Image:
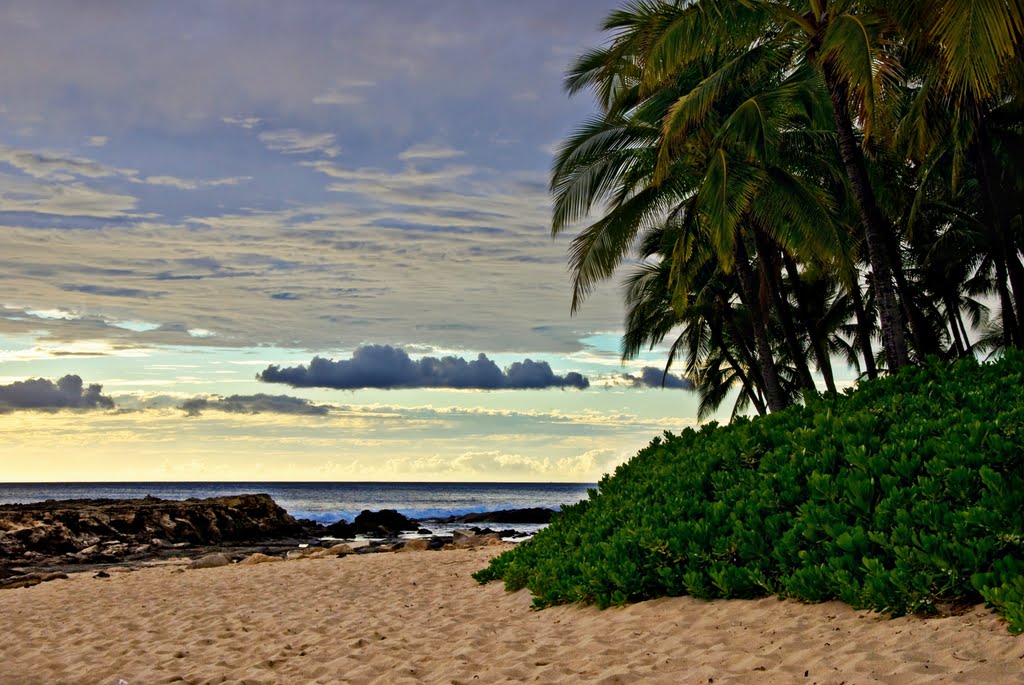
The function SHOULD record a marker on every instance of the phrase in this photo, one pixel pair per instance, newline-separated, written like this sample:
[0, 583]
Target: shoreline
[418, 617]
[40, 539]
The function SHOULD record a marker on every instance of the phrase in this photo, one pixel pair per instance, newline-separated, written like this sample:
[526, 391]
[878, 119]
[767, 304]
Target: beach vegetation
[905, 495]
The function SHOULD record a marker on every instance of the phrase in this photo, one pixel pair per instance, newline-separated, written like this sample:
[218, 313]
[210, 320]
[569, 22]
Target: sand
[419, 617]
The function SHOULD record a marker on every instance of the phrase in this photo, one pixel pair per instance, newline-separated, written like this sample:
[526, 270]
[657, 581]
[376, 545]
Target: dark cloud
[113, 292]
[651, 377]
[383, 366]
[254, 404]
[43, 394]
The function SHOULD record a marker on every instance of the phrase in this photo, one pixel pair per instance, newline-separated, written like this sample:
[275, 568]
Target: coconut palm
[727, 181]
[846, 43]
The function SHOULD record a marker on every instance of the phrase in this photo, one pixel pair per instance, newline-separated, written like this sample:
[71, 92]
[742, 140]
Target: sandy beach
[419, 617]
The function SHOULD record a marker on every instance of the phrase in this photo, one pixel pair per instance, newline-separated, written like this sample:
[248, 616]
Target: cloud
[343, 94]
[428, 151]
[254, 404]
[292, 141]
[107, 291]
[57, 167]
[96, 141]
[195, 184]
[43, 394]
[383, 366]
[651, 377]
[22, 200]
[244, 122]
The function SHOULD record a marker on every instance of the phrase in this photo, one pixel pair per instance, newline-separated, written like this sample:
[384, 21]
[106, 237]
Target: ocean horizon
[325, 502]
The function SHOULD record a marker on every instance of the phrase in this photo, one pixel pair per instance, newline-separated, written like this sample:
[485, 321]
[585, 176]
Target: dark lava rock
[118, 527]
[342, 529]
[507, 533]
[311, 527]
[383, 523]
[531, 515]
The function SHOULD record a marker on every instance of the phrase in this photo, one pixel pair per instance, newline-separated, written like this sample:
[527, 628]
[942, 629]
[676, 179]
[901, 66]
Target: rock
[258, 558]
[342, 530]
[415, 546]
[210, 561]
[424, 531]
[531, 515]
[120, 527]
[30, 579]
[102, 574]
[383, 523]
[339, 549]
[300, 553]
[164, 545]
[439, 541]
[311, 527]
[373, 549]
[329, 552]
[462, 538]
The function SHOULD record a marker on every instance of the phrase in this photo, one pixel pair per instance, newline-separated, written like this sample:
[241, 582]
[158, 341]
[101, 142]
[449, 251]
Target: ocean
[330, 502]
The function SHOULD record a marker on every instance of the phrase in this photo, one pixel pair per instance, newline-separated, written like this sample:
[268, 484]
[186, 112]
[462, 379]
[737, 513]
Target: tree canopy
[792, 183]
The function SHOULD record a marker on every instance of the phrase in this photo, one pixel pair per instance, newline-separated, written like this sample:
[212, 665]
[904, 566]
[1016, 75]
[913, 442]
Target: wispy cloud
[52, 166]
[346, 93]
[243, 122]
[195, 184]
[294, 142]
[67, 198]
[429, 151]
[253, 404]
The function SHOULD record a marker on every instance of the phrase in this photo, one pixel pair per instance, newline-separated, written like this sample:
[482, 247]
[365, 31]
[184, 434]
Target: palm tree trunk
[1005, 252]
[963, 332]
[1016, 271]
[817, 344]
[1006, 302]
[863, 331]
[924, 342]
[951, 308]
[875, 230]
[749, 389]
[755, 378]
[766, 252]
[774, 396]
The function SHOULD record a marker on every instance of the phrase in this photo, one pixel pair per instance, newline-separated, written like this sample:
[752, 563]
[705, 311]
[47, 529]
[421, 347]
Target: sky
[255, 240]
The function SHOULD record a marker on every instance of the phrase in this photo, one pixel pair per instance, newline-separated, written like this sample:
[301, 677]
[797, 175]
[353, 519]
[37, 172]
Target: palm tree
[962, 118]
[797, 178]
[845, 42]
[725, 181]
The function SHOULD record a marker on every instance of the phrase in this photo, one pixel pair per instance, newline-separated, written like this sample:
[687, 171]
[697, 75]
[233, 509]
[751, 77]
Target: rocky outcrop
[531, 515]
[95, 530]
[376, 524]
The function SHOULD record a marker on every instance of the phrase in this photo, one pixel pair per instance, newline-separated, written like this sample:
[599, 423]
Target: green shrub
[900, 496]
